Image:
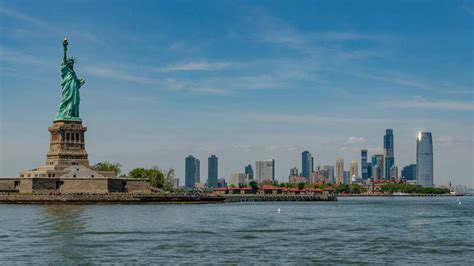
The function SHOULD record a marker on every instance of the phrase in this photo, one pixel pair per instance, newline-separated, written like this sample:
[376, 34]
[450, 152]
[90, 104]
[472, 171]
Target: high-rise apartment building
[294, 172]
[369, 170]
[307, 164]
[363, 164]
[339, 170]
[424, 159]
[212, 171]
[394, 173]
[192, 172]
[265, 171]
[354, 169]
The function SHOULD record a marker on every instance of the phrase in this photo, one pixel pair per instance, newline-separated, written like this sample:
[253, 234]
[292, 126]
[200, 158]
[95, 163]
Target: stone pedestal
[67, 146]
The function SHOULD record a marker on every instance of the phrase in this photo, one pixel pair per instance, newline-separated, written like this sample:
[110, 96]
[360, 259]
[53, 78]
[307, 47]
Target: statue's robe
[69, 106]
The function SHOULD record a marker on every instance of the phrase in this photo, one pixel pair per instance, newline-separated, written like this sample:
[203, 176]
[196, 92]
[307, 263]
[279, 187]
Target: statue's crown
[71, 60]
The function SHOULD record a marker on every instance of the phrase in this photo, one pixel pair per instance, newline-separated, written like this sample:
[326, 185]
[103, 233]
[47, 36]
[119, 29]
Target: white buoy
[278, 210]
[459, 203]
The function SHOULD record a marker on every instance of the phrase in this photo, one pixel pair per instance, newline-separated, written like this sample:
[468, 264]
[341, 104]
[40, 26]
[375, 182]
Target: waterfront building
[388, 145]
[339, 170]
[409, 172]
[249, 171]
[424, 159]
[212, 171]
[192, 172]
[394, 173]
[238, 179]
[307, 164]
[378, 159]
[265, 171]
[363, 164]
[354, 169]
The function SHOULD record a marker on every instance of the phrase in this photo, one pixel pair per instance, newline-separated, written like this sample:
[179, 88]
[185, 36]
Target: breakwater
[112, 198]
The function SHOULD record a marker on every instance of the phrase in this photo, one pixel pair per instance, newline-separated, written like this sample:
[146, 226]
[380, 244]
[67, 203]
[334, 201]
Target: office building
[339, 170]
[424, 159]
[265, 171]
[369, 170]
[212, 171]
[409, 172]
[363, 164]
[307, 164]
[377, 173]
[388, 146]
[192, 172]
[354, 169]
[347, 177]
[249, 171]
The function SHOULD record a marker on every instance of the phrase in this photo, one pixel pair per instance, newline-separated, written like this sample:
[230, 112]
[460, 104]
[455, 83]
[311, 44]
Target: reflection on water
[64, 226]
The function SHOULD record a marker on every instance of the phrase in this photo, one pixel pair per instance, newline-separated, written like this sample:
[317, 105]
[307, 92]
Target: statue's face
[70, 64]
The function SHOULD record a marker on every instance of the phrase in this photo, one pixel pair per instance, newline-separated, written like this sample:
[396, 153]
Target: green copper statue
[69, 106]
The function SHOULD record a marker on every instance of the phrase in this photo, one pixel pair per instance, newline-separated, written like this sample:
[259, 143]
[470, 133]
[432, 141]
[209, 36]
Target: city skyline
[189, 86]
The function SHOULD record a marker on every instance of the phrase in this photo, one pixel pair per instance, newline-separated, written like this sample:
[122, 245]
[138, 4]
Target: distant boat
[278, 210]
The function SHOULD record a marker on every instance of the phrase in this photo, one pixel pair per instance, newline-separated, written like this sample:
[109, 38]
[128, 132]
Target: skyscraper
[363, 164]
[409, 172]
[249, 171]
[424, 159]
[388, 146]
[394, 173]
[339, 170]
[329, 169]
[192, 172]
[265, 171]
[307, 166]
[354, 169]
[377, 172]
[369, 170]
[212, 171]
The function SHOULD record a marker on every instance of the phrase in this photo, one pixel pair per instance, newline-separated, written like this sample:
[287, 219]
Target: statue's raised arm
[65, 43]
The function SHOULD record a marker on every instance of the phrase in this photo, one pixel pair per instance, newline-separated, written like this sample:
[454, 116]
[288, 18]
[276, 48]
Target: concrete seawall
[279, 197]
[112, 198]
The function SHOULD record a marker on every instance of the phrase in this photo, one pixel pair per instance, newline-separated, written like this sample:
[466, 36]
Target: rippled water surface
[352, 230]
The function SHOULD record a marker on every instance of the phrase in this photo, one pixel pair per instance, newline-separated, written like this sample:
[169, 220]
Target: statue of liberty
[70, 84]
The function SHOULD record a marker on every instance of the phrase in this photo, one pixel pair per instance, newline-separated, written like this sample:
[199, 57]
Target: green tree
[301, 185]
[107, 166]
[253, 185]
[155, 175]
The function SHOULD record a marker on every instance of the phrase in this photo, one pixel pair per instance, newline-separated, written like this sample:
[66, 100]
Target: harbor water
[369, 230]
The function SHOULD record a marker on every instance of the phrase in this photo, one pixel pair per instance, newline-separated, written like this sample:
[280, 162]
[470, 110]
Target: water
[352, 230]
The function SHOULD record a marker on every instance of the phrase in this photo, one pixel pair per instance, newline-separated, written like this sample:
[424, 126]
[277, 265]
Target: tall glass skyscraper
[307, 166]
[212, 171]
[377, 172]
[363, 164]
[424, 159]
[249, 171]
[192, 172]
[388, 147]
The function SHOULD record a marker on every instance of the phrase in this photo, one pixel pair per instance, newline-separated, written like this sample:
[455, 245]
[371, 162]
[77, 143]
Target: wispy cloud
[470, 10]
[356, 140]
[426, 104]
[198, 66]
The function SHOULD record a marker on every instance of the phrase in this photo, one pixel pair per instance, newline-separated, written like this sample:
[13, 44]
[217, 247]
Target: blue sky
[245, 80]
